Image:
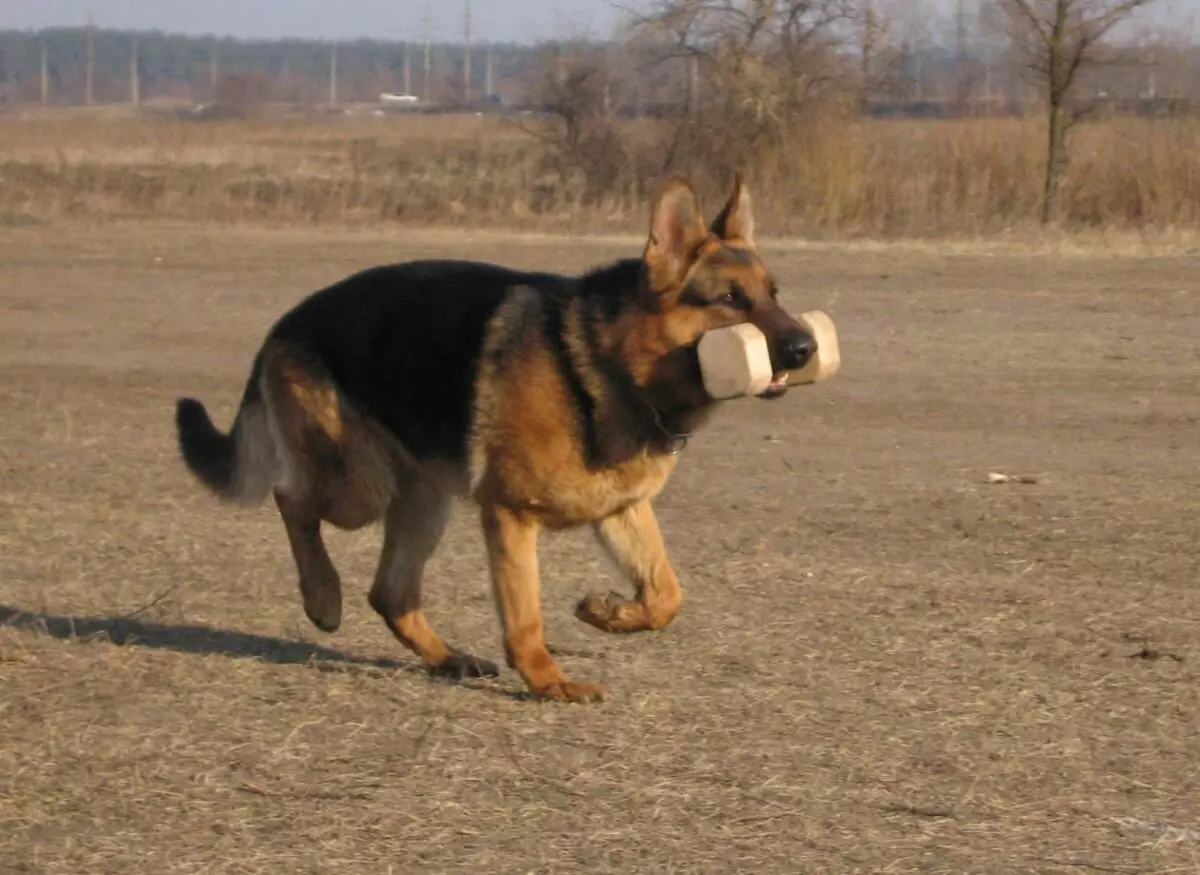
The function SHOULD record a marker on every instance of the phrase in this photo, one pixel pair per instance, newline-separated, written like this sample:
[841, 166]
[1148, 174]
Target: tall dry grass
[834, 178]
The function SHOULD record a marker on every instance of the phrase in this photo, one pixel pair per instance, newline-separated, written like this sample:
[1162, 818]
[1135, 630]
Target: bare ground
[884, 664]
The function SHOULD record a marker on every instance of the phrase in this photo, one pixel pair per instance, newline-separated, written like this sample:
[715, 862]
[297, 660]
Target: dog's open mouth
[777, 387]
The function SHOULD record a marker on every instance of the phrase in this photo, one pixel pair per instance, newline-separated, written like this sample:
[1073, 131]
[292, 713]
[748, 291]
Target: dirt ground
[884, 663]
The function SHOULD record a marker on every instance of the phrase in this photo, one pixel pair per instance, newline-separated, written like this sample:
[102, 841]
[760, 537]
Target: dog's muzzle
[793, 351]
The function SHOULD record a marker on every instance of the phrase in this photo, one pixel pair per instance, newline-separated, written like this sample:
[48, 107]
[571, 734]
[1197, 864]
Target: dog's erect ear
[676, 231]
[736, 220]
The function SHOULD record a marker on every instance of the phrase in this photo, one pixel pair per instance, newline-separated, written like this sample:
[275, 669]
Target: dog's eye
[735, 297]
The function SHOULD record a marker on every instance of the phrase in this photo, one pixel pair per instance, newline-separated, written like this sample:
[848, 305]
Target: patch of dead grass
[837, 179]
[883, 663]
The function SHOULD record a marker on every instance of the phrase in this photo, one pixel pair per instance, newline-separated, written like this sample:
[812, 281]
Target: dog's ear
[736, 220]
[676, 232]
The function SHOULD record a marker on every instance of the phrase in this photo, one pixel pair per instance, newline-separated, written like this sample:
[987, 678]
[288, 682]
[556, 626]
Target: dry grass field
[834, 178]
[884, 664]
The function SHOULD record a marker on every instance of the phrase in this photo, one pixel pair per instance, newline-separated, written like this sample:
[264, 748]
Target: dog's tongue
[777, 387]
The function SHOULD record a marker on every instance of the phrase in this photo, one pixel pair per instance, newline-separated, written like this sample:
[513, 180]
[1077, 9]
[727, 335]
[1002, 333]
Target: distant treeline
[171, 65]
[921, 80]
[293, 70]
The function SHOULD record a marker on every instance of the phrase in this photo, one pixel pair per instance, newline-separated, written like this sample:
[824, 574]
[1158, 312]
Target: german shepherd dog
[550, 401]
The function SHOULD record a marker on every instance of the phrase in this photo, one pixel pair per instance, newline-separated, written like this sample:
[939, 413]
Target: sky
[500, 20]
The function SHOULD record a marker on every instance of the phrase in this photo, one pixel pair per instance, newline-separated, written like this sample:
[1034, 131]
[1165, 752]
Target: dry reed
[834, 179]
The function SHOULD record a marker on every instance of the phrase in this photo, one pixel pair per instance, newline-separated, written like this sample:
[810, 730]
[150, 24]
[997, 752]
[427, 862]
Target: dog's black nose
[796, 349]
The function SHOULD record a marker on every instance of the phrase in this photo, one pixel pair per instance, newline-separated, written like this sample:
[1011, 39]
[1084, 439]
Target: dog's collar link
[674, 443]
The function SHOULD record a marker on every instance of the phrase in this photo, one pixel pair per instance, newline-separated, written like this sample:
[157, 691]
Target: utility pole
[135, 85]
[488, 71]
[45, 74]
[407, 70]
[333, 95]
[467, 50]
[213, 68]
[961, 87]
[1189, 63]
[1152, 90]
[427, 28]
[90, 58]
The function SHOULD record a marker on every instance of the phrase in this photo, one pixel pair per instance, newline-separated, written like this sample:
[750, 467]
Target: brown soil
[885, 663]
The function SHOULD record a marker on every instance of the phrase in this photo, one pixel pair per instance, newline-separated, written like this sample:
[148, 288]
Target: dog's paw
[611, 612]
[568, 691]
[463, 665]
[325, 612]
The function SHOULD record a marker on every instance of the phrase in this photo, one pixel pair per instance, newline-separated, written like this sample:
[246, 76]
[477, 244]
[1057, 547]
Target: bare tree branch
[1059, 38]
[1024, 9]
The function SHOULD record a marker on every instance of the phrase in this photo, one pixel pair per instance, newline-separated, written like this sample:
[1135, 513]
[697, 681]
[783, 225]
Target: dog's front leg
[512, 554]
[633, 540]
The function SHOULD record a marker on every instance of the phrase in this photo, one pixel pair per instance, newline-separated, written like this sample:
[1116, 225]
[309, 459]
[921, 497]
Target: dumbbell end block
[734, 362]
[827, 360]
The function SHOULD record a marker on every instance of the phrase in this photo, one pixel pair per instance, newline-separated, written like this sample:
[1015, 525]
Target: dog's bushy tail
[239, 467]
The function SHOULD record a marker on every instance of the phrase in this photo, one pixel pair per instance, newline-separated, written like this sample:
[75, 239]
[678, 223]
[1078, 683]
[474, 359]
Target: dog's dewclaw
[828, 358]
[734, 362]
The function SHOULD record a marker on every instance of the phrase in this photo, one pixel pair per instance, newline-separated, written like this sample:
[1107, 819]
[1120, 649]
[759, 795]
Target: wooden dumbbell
[736, 362]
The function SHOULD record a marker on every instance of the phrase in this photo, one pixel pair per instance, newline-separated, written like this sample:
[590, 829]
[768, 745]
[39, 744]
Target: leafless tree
[879, 56]
[749, 64]
[1056, 39]
[574, 91]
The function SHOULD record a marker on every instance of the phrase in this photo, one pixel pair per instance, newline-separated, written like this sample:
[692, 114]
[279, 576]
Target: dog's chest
[566, 495]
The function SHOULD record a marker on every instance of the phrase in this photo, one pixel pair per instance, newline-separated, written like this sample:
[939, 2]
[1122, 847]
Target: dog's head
[702, 277]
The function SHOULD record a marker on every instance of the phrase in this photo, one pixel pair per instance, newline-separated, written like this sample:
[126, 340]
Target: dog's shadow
[127, 631]
[196, 640]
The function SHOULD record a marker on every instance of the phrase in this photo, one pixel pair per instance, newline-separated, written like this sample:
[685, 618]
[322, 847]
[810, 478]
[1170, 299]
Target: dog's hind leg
[632, 539]
[414, 524]
[333, 468]
[320, 585]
